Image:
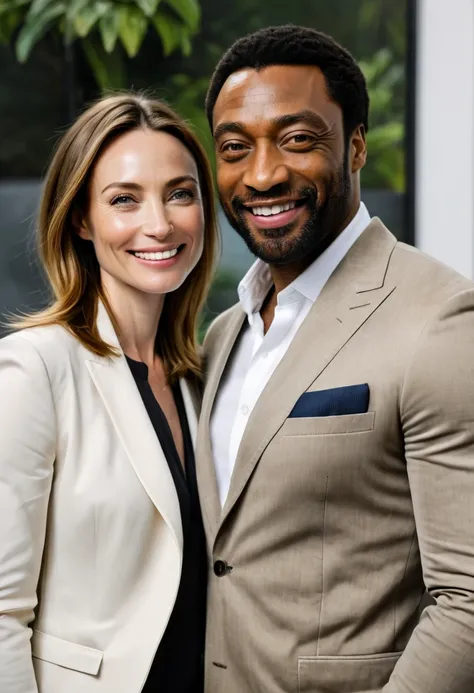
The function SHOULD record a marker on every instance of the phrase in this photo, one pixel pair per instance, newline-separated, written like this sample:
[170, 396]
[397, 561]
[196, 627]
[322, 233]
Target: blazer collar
[116, 386]
[354, 291]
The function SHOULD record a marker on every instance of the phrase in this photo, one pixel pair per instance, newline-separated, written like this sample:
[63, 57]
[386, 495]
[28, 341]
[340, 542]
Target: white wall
[445, 132]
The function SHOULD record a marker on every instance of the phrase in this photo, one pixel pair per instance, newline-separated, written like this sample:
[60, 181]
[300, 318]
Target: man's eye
[233, 147]
[300, 139]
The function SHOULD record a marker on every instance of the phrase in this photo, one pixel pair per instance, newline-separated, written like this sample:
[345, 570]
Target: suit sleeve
[27, 450]
[437, 411]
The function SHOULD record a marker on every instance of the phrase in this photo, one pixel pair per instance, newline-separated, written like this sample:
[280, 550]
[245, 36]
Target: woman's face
[145, 214]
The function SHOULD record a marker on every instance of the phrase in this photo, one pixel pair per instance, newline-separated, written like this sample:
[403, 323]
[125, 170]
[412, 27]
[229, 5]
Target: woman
[100, 529]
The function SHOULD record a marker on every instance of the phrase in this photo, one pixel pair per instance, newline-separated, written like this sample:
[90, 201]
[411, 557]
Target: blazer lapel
[123, 402]
[206, 474]
[191, 407]
[355, 290]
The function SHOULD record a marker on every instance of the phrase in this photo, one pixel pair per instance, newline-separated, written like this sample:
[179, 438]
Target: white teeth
[273, 209]
[165, 255]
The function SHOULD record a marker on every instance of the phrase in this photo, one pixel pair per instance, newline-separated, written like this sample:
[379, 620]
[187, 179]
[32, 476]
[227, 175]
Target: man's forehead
[293, 85]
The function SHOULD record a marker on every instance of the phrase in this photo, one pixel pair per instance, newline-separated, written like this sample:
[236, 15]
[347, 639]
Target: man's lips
[273, 221]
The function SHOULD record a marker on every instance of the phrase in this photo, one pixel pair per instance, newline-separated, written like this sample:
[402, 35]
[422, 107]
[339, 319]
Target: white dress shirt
[257, 354]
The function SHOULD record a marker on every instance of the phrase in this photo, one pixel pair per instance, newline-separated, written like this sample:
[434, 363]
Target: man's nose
[265, 169]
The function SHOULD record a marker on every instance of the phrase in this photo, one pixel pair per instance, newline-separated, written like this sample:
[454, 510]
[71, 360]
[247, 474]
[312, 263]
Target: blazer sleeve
[27, 451]
[437, 410]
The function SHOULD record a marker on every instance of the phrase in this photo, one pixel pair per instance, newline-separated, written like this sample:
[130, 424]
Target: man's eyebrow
[306, 115]
[235, 127]
[286, 120]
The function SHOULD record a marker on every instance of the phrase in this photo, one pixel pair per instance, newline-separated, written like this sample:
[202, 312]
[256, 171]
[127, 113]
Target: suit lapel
[355, 290]
[206, 474]
[117, 388]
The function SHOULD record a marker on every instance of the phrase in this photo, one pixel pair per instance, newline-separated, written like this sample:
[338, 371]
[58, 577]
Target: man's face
[286, 172]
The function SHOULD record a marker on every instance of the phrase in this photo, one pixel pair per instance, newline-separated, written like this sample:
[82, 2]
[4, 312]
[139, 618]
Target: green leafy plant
[385, 140]
[99, 26]
[188, 96]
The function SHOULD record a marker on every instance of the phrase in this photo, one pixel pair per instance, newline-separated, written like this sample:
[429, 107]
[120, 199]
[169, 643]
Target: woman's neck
[137, 315]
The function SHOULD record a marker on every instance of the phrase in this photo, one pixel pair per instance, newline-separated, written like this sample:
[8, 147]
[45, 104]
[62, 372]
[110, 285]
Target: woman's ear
[80, 225]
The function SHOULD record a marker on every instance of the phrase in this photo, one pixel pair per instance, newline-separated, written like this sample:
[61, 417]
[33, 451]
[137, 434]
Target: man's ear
[358, 149]
[80, 225]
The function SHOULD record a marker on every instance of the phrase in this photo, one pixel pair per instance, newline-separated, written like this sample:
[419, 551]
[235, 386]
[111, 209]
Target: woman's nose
[157, 222]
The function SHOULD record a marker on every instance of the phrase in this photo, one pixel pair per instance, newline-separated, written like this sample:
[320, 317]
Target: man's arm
[437, 410]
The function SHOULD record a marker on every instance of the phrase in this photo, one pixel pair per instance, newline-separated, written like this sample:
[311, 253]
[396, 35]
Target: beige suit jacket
[88, 505]
[333, 526]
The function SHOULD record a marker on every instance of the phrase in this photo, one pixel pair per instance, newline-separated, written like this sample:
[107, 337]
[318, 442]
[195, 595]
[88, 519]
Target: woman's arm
[27, 452]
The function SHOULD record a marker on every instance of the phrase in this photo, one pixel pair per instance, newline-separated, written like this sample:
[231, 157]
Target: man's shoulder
[429, 296]
[407, 267]
[423, 276]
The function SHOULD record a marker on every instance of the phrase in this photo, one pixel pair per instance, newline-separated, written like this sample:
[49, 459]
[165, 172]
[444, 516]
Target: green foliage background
[170, 48]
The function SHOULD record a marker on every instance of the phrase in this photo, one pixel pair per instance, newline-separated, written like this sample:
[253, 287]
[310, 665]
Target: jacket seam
[322, 566]
[400, 585]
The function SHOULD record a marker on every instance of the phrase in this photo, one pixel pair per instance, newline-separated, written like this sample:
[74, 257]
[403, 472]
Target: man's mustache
[254, 199]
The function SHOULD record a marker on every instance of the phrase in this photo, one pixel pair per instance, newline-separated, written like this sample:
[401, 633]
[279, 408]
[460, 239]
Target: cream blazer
[90, 527]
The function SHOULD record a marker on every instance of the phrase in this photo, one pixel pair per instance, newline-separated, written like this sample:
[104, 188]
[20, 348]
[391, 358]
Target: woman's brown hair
[70, 262]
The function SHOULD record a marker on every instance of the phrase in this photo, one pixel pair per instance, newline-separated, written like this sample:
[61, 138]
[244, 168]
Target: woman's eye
[183, 195]
[122, 200]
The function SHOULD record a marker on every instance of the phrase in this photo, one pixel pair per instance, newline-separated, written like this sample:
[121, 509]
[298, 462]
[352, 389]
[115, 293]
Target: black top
[178, 666]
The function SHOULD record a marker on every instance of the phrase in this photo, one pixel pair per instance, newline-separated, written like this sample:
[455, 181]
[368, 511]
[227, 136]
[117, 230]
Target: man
[336, 446]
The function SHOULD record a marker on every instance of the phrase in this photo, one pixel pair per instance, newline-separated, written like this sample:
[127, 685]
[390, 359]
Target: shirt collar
[256, 284]
[254, 287]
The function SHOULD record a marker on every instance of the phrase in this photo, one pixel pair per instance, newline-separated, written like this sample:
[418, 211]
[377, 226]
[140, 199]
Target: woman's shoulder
[48, 341]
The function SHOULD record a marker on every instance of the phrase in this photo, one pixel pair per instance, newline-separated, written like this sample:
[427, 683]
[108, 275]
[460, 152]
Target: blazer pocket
[329, 425]
[361, 673]
[66, 654]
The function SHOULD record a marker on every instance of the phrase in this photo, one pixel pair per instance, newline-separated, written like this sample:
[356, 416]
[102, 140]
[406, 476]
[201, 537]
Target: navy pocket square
[339, 401]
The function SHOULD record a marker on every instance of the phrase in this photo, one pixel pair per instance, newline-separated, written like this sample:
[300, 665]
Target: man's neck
[284, 275]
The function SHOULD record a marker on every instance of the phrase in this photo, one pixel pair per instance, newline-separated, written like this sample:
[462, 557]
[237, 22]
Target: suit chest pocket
[329, 425]
[321, 450]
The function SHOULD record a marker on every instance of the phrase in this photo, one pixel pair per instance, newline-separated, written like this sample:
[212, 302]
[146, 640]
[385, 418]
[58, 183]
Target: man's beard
[325, 221]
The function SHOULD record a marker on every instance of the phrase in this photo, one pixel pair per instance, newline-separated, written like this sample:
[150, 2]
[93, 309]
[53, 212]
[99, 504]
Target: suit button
[221, 568]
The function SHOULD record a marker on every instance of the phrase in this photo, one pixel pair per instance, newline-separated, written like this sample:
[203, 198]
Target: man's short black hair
[297, 45]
